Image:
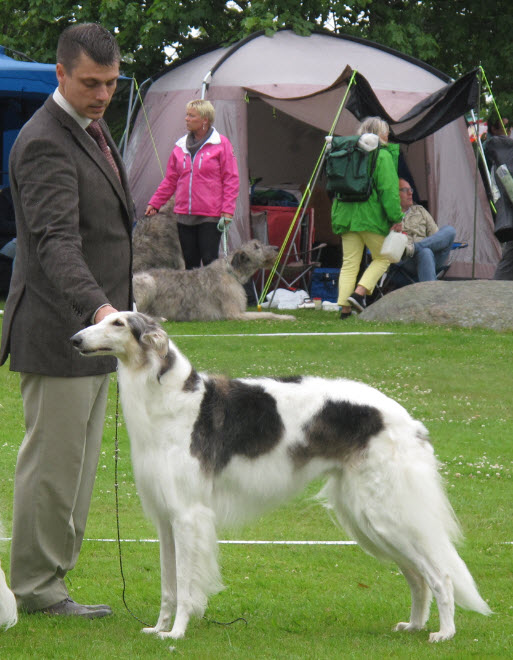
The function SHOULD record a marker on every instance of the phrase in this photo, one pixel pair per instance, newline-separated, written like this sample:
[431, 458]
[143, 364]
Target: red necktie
[95, 131]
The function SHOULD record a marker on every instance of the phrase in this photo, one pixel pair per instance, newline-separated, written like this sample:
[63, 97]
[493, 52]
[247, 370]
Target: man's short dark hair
[90, 38]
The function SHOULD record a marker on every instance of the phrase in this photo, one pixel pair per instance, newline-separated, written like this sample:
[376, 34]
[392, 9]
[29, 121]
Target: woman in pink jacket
[202, 174]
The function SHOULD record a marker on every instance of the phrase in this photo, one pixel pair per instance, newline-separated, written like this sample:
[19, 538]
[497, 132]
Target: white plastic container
[393, 246]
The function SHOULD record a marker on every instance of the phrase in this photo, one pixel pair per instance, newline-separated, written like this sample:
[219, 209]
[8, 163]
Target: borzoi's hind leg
[167, 579]
[420, 601]
[441, 585]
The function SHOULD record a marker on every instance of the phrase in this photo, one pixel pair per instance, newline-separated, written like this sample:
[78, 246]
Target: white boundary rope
[235, 542]
[227, 542]
[292, 334]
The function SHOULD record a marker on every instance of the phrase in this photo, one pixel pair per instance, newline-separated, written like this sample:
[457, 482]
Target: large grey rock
[469, 303]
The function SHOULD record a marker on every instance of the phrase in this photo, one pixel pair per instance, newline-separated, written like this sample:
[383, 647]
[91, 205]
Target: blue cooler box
[324, 284]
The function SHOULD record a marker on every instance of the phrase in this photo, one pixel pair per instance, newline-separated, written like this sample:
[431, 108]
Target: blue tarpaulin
[24, 86]
[25, 79]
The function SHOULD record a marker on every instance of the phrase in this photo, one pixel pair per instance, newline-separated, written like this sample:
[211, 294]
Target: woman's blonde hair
[205, 109]
[374, 125]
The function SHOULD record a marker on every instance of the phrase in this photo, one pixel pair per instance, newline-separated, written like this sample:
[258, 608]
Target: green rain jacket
[382, 209]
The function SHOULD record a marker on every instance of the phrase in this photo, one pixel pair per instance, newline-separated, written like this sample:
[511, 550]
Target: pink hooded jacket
[210, 187]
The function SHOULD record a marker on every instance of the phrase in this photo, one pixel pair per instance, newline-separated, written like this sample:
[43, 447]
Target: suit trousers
[54, 480]
[353, 245]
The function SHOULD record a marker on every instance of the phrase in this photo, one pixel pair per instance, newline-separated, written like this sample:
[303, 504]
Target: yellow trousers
[353, 244]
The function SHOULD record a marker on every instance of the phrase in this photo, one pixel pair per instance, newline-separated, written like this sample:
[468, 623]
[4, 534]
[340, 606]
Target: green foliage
[454, 37]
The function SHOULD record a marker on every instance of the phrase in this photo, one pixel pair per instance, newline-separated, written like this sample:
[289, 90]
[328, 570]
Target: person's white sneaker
[307, 303]
[329, 306]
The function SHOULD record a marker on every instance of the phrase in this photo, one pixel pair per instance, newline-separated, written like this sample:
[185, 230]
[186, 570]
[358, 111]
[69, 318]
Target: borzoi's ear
[157, 339]
[148, 333]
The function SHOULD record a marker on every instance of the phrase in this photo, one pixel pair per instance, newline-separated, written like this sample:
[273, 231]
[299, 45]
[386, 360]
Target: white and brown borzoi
[208, 451]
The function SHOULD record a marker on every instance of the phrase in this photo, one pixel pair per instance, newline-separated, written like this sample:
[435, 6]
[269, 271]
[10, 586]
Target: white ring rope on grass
[291, 334]
[234, 542]
[227, 542]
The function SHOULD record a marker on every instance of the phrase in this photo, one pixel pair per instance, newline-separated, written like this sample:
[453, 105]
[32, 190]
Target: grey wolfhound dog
[212, 293]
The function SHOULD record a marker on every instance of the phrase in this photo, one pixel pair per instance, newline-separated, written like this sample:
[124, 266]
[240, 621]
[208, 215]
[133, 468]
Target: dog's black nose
[76, 341]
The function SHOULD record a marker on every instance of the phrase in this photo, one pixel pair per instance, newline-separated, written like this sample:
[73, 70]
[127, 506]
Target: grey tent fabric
[276, 99]
[429, 115]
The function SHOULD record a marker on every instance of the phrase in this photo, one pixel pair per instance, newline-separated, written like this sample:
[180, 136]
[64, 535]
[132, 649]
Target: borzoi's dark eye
[118, 322]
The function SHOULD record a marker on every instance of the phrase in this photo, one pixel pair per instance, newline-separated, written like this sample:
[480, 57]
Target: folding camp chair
[270, 225]
[397, 276]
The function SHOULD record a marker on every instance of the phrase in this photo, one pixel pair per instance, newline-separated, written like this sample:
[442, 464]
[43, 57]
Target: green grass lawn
[299, 601]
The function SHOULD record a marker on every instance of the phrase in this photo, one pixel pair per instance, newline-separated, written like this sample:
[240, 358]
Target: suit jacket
[74, 219]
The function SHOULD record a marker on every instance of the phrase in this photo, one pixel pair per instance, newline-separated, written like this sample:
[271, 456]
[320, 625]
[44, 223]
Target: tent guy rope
[303, 204]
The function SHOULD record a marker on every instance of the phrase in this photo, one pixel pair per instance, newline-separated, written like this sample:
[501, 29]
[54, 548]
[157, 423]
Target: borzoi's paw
[407, 625]
[164, 634]
[171, 635]
[441, 636]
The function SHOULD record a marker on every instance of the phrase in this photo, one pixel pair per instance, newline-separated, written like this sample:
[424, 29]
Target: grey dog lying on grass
[212, 293]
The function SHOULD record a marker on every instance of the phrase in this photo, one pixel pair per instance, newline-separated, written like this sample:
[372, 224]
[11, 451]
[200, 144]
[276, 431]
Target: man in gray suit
[74, 216]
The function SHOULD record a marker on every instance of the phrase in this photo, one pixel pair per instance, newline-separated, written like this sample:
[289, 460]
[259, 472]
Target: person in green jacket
[365, 224]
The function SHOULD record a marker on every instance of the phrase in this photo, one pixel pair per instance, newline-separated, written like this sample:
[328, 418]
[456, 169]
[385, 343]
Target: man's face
[88, 86]
[406, 194]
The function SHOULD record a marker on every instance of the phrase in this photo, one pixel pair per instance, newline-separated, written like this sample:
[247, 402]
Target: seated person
[428, 246]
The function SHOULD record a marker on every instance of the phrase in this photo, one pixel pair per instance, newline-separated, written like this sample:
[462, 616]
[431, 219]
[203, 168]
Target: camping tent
[24, 86]
[276, 98]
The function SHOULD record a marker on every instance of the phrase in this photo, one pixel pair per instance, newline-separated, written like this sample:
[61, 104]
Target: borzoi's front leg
[167, 578]
[184, 537]
[197, 571]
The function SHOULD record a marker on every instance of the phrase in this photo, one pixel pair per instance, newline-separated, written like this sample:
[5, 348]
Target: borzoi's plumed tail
[392, 502]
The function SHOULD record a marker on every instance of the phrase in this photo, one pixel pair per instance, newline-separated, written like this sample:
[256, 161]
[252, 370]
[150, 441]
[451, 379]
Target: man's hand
[103, 312]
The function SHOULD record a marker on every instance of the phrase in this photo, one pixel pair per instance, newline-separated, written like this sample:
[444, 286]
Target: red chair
[270, 225]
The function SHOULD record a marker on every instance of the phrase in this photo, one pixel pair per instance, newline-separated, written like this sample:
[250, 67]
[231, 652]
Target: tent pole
[476, 173]
[132, 104]
[480, 147]
[128, 117]
[303, 204]
[205, 83]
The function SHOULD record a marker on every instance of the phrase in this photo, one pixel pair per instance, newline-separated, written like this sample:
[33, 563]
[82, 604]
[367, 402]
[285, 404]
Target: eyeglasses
[406, 190]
